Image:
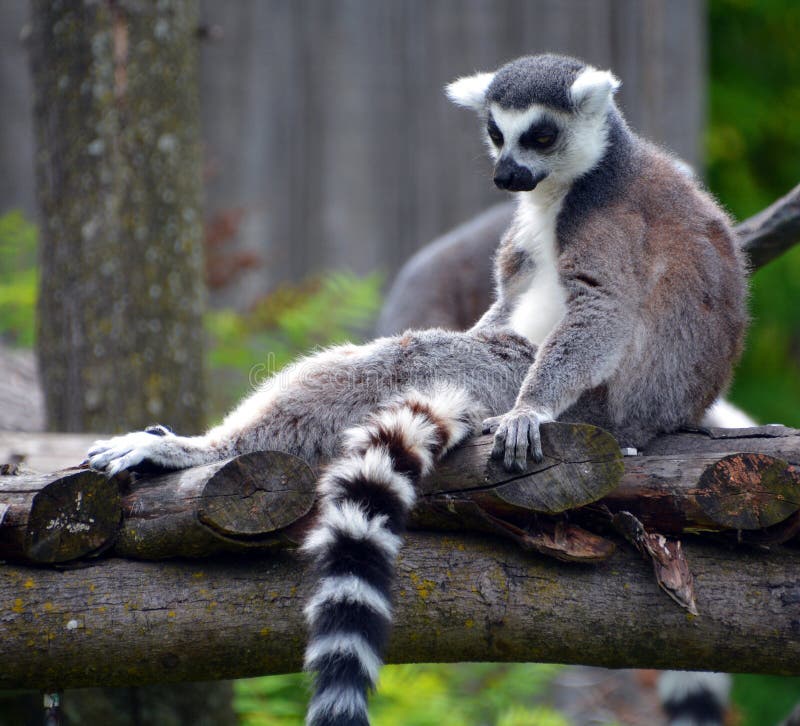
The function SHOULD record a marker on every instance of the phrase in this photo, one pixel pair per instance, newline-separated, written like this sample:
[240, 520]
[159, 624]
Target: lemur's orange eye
[540, 136]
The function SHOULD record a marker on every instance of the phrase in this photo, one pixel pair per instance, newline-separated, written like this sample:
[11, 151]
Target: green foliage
[272, 700]
[765, 699]
[18, 279]
[288, 322]
[753, 145]
[466, 694]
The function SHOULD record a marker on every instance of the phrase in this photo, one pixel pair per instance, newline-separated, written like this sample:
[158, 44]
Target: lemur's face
[545, 119]
[527, 145]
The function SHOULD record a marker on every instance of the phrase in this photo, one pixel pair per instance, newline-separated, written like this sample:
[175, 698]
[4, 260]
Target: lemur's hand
[515, 432]
[140, 450]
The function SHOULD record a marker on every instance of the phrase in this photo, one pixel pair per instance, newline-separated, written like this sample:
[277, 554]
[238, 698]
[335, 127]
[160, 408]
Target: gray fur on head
[556, 81]
[543, 79]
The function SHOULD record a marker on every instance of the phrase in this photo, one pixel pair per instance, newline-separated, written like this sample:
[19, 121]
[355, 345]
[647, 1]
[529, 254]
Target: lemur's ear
[592, 90]
[470, 91]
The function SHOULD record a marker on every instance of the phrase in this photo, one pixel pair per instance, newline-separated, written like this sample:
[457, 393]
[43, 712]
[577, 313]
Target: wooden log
[711, 481]
[263, 500]
[231, 505]
[58, 517]
[458, 598]
[684, 483]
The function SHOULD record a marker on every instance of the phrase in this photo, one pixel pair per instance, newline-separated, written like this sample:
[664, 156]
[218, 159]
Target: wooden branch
[459, 598]
[772, 231]
[714, 482]
[747, 479]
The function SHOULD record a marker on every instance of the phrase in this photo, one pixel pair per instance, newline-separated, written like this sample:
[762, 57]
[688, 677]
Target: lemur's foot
[515, 433]
[151, 450]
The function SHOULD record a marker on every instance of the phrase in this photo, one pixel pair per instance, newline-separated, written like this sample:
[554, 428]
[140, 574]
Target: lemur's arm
[581, 353]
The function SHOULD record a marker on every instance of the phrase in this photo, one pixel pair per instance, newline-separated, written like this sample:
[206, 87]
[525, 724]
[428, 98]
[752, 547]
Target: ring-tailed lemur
[617, 265]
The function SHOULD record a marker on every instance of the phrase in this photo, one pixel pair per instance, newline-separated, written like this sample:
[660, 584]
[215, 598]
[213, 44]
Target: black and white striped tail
[694, 698]
[366, 496]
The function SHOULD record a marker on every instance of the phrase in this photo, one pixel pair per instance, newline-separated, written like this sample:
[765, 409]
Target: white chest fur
[542, 305]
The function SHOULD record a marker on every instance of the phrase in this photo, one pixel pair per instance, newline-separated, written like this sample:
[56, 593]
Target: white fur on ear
[470, 91]
[592, 90]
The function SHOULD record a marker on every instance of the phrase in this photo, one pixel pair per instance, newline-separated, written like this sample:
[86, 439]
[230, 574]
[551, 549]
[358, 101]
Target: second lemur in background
[617, 265]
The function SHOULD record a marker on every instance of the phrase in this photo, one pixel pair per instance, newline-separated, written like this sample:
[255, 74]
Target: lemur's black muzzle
[512, 177]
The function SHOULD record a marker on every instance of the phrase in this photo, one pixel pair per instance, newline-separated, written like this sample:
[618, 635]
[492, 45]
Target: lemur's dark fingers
[521, 443]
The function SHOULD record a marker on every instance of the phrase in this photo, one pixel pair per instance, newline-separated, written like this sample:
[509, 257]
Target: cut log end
[256, 494]
[57, 518]
[582, 464]
[748, 491]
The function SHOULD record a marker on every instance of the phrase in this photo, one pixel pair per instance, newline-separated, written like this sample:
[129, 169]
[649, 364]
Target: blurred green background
[753, 154]
[753, 157]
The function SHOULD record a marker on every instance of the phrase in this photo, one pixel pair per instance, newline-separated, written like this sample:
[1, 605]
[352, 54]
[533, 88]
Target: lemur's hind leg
[303, 409]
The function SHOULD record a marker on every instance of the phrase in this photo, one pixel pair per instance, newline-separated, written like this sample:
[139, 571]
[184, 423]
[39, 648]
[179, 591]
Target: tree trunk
[120, 333]
[120, 337]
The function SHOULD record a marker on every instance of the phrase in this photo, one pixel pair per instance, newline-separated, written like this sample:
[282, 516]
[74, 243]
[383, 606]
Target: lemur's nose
[512, 177]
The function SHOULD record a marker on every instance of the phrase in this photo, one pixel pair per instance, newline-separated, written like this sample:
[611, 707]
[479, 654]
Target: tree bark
[458, 598]
[248, 502]
[742, 483]
[120, 338]
[120, 331]
[768, 234]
